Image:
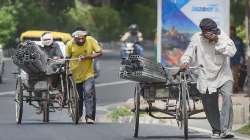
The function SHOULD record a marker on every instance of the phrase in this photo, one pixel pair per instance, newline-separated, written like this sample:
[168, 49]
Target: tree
[237, 10]
[102, 22]
[107, 23]
[57, 7]
[7, 24]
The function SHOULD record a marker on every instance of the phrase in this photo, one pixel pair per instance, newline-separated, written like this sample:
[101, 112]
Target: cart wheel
[45, 106]
[184, 111]
[73, 101]
[19, 100]
[137, 111]
[29, 98]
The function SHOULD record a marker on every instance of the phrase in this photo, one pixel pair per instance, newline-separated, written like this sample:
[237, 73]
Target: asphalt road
[110, 90]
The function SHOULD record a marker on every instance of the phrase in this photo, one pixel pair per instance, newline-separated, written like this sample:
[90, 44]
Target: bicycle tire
[19, 100]
[45, 107]
[184, 110]
[73, 101]
[137, 111]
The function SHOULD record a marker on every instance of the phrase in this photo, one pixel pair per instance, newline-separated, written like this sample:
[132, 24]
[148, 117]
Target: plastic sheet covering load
[30, 58]
[137, 68]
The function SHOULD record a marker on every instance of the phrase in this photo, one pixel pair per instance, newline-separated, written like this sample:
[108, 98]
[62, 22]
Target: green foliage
[106, 22]
[7, 24]
[245, 130]
[237, 10]
[102, 22]
[241, 32]
[144, 14]
[119, 112]
[80, 16]
[57, 7]
[32, 15]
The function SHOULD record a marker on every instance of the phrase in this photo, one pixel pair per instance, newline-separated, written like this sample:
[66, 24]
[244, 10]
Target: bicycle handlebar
[178, 68]
[64, 59]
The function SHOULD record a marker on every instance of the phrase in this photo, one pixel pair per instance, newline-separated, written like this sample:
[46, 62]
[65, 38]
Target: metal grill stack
[30, 58]
[137, 68]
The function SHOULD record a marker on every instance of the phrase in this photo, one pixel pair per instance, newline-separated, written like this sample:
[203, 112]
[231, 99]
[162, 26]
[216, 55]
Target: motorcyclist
[134, 36]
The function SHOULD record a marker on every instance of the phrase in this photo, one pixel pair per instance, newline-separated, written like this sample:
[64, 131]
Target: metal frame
[175, 111]
[62, 73]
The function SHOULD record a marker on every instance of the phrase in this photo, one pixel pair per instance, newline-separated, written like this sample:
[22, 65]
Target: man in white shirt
[212, 49]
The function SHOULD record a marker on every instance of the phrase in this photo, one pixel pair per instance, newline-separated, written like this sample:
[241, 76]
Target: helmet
[47, 39]
[133, 28]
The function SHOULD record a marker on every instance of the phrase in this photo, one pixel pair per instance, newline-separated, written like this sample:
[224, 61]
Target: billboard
[178, 20]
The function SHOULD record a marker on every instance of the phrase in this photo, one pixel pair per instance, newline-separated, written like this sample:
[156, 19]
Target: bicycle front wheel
[73, 101]
[184, 111]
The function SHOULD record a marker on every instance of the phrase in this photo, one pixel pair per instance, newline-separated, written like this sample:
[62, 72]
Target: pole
[159, 30]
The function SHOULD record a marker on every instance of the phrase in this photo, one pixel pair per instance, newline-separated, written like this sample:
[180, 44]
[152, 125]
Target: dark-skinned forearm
[94, 55]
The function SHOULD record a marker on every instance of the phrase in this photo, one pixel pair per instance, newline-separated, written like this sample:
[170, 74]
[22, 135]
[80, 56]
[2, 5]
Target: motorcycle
[130, 48]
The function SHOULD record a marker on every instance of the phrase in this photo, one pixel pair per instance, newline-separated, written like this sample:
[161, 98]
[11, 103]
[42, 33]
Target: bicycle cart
[50, 91]
[179, 95]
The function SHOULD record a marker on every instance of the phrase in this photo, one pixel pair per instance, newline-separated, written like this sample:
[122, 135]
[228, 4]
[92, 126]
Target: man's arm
[97, 49]
[226, 46]
[140, 37]
[190, 54]
[125, 36]
[94, 55]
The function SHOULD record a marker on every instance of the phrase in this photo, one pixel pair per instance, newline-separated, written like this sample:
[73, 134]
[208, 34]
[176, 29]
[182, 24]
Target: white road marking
[113, 83]
[7, 93]
[97, 85]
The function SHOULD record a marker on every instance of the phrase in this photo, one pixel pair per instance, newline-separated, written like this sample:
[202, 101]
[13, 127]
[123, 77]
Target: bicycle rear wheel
[45, 106]
[136, 111]
[19, 100]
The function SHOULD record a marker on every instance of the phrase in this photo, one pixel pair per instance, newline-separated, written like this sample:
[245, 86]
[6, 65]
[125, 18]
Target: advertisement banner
[178, 20]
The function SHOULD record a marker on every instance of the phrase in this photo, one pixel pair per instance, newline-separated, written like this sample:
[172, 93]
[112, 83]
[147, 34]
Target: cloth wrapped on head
[208, 24]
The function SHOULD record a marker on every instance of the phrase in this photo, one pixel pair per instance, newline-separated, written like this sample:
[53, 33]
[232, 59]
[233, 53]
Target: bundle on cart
[137, 68]
[30, 58]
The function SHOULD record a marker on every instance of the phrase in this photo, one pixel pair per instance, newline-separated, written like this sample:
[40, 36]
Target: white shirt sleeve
[125, 36]
[190, 53]
[225, 46]
[140, 37]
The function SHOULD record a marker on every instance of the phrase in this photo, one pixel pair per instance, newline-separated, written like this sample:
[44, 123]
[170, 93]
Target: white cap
[79, 33]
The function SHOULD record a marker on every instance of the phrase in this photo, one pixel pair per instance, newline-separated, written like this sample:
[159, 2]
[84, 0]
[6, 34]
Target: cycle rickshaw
[180, 88]
[38, 90]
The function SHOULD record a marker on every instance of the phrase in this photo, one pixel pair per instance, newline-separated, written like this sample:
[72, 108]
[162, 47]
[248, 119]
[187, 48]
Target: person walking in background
[238, 60]
[212, 49]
